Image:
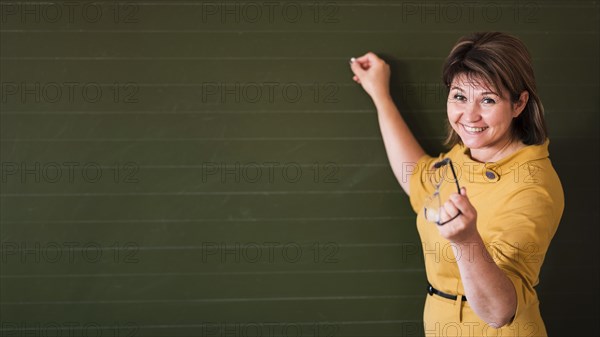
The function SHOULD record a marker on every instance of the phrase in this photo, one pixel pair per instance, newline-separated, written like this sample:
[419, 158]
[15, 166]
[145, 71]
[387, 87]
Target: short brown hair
[502, 61]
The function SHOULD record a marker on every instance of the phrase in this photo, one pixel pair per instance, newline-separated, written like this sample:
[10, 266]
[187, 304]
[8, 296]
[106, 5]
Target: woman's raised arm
[402, 148]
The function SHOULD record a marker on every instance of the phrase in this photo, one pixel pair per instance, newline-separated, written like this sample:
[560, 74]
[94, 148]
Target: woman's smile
[474, 130]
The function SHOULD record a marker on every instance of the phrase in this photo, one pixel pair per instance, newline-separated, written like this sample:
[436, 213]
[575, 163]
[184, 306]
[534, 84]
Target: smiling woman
[500, 232]
[496, 71]
[481, 118]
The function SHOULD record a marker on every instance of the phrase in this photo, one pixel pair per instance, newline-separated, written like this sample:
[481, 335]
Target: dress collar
[487, 172]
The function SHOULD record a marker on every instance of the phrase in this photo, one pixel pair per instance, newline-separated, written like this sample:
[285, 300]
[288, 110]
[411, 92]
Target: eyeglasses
[433, 204]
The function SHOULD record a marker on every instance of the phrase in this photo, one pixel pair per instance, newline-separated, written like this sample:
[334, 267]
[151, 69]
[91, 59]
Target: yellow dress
[519, 202]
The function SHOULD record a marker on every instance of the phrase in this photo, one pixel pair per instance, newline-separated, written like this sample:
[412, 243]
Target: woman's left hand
[464, 227]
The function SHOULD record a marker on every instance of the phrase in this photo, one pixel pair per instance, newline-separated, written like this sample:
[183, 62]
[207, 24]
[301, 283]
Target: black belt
[431, 290]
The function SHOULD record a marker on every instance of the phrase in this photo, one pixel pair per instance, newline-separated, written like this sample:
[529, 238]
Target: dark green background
[178, 243]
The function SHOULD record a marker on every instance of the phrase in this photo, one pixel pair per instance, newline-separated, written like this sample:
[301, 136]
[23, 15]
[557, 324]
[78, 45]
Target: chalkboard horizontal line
[251, 164]
[218, 300]
[216, 112]
[283, 31]
[343, 3]
[273, 83]
[213, 83]
[379, 218]
[179, 58]
[209, 139]
[312, 324]
[351, 3]
[209, 245]
[239, 246]
[221, 139]
[265, 193]
[290, 272]
[233, 58]
[221, 164]
[207, 325]
[245, 112]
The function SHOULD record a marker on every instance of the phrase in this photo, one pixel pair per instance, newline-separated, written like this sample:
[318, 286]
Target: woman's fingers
[368, 58]
[372, 74]
[443, 215]
[357, 68]
[448, 211]
[461, 201]
[463, 227]
[365, 61]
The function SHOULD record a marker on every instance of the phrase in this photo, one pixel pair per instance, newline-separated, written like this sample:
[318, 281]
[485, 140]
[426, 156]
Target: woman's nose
[471, 112]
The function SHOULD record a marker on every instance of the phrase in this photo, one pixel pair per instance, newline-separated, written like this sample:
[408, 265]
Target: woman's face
[480, 117]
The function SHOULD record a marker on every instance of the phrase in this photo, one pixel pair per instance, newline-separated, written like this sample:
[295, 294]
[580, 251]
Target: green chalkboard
[209, 168]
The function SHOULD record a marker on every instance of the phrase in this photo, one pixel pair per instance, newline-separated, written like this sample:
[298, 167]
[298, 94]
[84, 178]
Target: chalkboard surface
[208, 168]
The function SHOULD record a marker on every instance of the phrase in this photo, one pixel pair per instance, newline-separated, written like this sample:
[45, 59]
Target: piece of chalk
[352, 60]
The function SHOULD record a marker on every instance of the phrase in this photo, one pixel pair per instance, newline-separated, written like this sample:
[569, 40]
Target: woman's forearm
[490, 293]
[402, 148]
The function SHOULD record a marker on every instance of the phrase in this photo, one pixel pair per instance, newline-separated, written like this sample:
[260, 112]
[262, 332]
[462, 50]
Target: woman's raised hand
[372, 73]
[464, 227]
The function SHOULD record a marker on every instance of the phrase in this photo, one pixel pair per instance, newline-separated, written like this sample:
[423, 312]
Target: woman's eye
[459, 97]
[488, 100]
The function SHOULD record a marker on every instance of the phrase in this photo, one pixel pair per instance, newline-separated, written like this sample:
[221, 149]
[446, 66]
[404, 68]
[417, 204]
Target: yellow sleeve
[519, 236]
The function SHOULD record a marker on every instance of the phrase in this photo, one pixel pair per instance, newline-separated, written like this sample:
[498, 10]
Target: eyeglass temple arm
[455, 178]
[454, 217]
[444, 162]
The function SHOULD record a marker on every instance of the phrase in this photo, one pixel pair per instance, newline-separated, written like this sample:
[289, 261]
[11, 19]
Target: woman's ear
[521, 103]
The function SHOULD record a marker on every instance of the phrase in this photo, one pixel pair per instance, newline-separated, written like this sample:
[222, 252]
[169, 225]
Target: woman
[499, 224]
